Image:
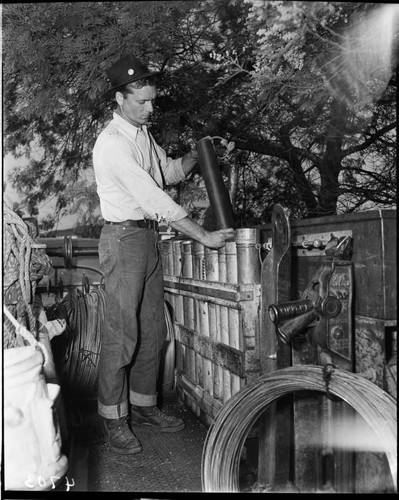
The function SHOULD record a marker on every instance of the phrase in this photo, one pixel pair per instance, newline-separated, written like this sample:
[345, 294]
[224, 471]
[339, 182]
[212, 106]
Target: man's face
[139, 105]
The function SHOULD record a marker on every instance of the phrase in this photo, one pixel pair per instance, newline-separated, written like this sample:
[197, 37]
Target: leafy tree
[273, 77]
[320, 98]
[55, 60]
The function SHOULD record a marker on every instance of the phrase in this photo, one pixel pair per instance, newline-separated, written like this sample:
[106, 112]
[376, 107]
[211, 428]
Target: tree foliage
[294, 85]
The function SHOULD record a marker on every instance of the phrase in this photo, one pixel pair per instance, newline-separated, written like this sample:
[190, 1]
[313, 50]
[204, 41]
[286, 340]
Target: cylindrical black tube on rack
[218, 195]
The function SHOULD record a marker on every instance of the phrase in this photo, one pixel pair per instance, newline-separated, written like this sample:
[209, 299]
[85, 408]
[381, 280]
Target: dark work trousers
[135, 328]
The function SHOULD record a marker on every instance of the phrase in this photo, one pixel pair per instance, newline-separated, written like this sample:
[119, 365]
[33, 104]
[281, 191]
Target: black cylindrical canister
[217, 193]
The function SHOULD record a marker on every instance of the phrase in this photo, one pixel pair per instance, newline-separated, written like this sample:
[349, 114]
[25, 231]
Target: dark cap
[126, 70]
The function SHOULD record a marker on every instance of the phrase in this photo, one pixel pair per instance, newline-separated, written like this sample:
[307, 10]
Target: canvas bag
[32, 443]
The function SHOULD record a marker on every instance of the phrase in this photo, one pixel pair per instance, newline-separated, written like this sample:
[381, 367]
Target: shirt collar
[130, 129]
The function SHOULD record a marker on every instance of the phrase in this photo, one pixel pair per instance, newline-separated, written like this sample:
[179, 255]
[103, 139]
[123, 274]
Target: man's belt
[142, 223]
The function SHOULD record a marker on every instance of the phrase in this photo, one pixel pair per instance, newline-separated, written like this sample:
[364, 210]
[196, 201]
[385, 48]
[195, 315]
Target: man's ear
[119, 97]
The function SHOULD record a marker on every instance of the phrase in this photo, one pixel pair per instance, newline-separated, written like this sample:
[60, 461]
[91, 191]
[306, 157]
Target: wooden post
[275, 276]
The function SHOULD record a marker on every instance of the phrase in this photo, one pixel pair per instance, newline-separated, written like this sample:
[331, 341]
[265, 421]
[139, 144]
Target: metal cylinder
[222, 265]
[189, 318]
[223, 324]
[168, 249]
[211, 259]
[177, 270]
[289, 309]
[233, 327]
[223, 320]
[203, 365]
[198, 250]
[187, 258]
[176, 254]
[292, 327]
[187, 272]
[231, 262]
[218, 195]
[212, 274]
[248, 261]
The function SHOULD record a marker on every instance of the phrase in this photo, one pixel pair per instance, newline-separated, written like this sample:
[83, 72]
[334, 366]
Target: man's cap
[126, 70]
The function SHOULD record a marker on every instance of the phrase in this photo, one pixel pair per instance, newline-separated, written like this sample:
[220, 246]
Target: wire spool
[86, 314]
[226, 436]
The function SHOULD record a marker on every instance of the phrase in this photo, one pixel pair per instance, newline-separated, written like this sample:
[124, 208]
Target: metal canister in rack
[177, 269]
[201, 313]
[248, 259]
[181, 358]
[212, 274]
[187, 271]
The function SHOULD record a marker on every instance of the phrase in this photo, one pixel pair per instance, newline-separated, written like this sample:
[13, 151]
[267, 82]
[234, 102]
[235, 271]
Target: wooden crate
[215, 312]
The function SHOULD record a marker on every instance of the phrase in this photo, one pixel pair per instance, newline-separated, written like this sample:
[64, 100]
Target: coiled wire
[226, 436]
[86, 313]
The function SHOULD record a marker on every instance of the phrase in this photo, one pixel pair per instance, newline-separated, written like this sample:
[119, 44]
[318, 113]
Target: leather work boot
[119, 437]
[155, 418]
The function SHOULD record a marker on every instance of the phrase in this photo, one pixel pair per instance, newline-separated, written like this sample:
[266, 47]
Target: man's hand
[210, 239]
[190, 159]
[217, 239]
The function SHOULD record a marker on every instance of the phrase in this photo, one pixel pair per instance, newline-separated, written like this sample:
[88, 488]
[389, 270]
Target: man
[131, 170]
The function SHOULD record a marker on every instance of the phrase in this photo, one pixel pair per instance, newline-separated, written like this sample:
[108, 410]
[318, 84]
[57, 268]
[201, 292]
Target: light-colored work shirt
[131, 170]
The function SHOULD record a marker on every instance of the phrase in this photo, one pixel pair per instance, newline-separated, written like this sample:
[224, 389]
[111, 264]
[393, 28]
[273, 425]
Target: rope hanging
[24, 263]
[21, 330]
[226, 436]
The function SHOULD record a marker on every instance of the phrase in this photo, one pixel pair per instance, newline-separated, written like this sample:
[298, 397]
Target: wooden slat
[204, 400]
[210, 289]
[225, 356]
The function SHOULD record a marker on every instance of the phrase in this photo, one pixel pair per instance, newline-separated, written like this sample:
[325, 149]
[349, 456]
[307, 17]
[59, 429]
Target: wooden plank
[225, 356]
[201, 398]
[229, 304]
[210, 289]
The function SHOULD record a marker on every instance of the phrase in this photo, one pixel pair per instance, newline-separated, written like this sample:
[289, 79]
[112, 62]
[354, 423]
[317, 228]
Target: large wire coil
[86, 313]
[226, 436]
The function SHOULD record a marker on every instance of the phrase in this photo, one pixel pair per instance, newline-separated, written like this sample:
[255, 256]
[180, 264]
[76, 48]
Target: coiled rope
[24, 263]
[226, 436]
[85, 316]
